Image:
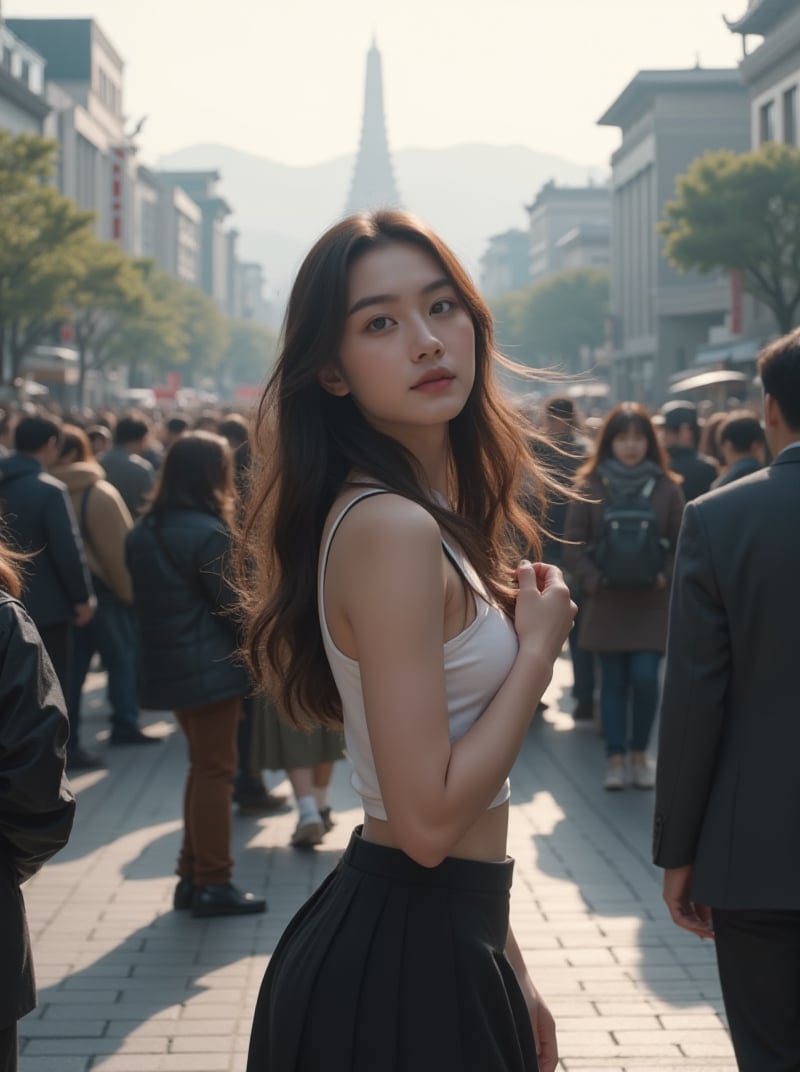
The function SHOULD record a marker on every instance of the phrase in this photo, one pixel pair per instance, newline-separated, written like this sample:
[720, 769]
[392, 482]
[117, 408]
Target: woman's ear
[332, 381]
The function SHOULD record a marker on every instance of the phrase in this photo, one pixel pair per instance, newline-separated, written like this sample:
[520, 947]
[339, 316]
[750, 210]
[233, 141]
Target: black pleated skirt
[394, 967]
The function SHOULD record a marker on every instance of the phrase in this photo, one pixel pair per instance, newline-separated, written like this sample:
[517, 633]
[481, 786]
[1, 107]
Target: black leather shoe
[182, 897]
[78, 760]
[124, 737]
[225, 901]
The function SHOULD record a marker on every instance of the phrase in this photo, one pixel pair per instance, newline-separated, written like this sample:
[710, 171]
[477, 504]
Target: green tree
[552, 322]
[250, 352]
[110, 295]
[155, 338]
[43, 237]
[206, 331]
[741, 212]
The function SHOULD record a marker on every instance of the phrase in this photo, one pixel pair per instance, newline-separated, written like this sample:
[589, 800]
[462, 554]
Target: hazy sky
[284, 78]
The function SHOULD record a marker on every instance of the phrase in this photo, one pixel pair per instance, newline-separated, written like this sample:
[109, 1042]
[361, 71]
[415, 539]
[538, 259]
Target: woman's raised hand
[545, 612]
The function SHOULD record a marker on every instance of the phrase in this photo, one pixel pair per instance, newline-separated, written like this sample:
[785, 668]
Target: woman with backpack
[621, 540]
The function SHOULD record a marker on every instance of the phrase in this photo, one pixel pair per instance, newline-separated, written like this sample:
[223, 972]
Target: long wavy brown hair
[11, 564]
[306, 442]
[617, 421]
[197, 474]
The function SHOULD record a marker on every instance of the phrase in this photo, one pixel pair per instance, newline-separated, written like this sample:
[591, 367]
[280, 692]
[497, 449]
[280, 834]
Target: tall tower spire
[373, 184]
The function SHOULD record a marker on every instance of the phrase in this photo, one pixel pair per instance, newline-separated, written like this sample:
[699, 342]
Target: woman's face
[408, 352]
[630, 447]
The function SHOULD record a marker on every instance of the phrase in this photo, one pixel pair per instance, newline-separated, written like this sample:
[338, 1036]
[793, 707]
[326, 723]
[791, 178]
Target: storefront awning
[737, 352]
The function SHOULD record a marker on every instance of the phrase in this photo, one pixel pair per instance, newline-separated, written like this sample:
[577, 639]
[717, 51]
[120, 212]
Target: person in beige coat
[104, 522]
[625, 626]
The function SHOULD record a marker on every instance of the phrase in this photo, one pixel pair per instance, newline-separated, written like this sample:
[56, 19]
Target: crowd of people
[383, 507]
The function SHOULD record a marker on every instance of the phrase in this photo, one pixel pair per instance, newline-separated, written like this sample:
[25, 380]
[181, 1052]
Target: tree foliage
[552, 322]
[109, 295]
[741, 212]
[156, 335]
[250, 353]
[43, 241]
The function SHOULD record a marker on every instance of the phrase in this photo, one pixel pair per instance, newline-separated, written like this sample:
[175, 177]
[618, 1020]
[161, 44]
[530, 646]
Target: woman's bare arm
[391, 584]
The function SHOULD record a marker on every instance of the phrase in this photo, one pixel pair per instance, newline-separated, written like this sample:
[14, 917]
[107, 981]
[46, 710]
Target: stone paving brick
[127, 985]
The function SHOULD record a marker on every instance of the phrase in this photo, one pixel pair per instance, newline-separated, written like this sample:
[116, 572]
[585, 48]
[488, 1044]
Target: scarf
[628, 480]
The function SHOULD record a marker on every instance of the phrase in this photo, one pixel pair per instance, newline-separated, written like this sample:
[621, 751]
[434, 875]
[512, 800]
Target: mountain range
[467, 192]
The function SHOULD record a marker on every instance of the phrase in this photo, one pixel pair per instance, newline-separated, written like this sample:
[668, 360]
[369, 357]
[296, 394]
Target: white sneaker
[308, 832]
[615, 777]
[644, 775]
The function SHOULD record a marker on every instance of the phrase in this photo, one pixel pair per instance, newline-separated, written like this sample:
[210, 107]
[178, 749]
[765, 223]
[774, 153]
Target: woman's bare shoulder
[385, 517]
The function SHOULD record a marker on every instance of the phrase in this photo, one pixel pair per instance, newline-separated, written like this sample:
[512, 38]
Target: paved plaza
[128, 985]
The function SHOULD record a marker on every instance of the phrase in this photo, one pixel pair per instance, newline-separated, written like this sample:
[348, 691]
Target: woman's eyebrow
[382, 299]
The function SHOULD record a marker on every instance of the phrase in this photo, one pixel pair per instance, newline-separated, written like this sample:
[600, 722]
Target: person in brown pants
[184, 609]
[210, 729]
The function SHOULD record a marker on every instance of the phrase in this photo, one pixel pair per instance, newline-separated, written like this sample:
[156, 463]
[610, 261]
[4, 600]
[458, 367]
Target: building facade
[771, 71]
[557, 211]
[505, 264]
[217, 248]
[23, 106]
[662, 318]
[84, 89]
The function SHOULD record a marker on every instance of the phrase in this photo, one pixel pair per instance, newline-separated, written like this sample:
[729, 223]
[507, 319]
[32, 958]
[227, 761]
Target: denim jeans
[582, 666]
[623, 672]
[111, 633]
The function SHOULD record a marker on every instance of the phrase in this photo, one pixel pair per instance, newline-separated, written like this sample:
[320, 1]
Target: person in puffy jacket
[188, 641]
[104, 523]
[36, 805]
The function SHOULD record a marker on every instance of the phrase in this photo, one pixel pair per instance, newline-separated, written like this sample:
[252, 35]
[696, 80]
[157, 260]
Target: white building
[662, 317]
[23, 108]
[554, 213]
[771, 71]
[85, 92]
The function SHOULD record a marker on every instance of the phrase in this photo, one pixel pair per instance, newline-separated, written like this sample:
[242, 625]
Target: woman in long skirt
[383, 592]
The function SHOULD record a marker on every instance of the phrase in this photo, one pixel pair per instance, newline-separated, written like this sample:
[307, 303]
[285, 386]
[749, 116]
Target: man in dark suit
[727, 822]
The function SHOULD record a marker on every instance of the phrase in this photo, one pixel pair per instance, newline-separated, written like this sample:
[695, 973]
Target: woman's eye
[443, 305]
[380, 323]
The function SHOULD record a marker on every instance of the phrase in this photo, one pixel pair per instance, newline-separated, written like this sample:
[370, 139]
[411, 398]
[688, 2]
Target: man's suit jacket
[728, 781]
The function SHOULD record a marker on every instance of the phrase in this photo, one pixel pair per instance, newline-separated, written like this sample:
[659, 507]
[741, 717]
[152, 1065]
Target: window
[766, 122]
[790, 116]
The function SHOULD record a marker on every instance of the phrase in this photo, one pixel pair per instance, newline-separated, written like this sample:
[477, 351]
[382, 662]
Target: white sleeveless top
[476, 663]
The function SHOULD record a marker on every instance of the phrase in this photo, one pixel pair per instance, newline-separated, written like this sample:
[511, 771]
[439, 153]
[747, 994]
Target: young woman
[625, 623]
[188, 641]
[36, 805]
[384, 591]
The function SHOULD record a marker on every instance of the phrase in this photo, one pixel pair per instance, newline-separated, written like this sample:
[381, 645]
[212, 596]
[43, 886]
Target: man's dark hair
[235, 429]
[98, 432]
[130, 429]
[560, 406]
[33, 433]
[742, 431]
[779, 368]
[177, 425]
